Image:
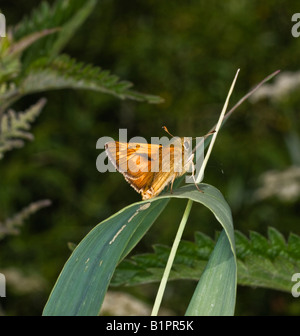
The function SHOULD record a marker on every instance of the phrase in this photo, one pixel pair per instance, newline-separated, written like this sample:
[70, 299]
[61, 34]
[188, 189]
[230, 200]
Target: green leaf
[10, 53]
[83, 282]
[270, 268]
[21, 45]
[65, 14]
[70, 27]
[65, 72]
[81, 287]
[216, 291]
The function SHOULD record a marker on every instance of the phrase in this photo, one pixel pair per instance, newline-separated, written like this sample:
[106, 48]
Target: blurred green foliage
[187, 53]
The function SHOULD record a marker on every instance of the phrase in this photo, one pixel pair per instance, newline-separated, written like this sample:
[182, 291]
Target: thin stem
[228, 114]
[250, 93]
[167, 270]
[219, 124]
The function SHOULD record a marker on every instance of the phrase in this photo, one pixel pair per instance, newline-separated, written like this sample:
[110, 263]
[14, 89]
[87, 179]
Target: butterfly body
[150, 168]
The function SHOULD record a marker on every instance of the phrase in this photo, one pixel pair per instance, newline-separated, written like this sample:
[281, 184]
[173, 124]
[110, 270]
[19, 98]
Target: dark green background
[186, 52]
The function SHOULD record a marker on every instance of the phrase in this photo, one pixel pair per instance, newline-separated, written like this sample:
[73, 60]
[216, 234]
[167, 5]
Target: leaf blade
[95, 259]
[84, 280]
[216, 290]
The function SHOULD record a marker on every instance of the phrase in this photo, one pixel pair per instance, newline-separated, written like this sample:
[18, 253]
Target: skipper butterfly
[150, 168]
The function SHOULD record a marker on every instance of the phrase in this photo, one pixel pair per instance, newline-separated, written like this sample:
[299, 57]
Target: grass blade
[83, 282]
[216, 290]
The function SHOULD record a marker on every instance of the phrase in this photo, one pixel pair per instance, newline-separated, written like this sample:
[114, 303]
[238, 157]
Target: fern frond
[262, 262]
[65, 72]
[8, 94]
[11, 225]
[14, 127]
[67, 15]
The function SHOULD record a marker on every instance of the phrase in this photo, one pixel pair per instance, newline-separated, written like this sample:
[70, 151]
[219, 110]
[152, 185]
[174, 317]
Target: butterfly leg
[171, 191]
[168, 186]
[193, 176]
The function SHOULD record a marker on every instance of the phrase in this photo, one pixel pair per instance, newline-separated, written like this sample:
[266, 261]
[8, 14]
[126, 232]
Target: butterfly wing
[147, 168]
[134, 161]
[170, 157]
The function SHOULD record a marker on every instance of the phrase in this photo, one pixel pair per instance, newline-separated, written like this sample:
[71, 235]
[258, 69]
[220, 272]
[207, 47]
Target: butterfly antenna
[204, 137]
[209, 133]
[165, 128]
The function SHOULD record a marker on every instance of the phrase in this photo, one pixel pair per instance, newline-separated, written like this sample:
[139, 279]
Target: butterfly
[149, 168]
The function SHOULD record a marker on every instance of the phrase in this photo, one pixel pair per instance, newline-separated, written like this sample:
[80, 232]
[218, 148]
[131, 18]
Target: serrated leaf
[276, 238]
[242, 244]
[259, 242]
[65, 72]
[203, 240]
[277, 242]
[67, 15]
[294, 245]
[255, 267]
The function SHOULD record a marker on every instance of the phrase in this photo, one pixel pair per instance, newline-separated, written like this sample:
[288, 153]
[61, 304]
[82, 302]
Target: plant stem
[219, 124]
[167, 270]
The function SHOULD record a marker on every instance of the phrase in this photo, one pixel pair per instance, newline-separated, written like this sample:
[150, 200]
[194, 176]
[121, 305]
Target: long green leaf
[82, 285]
[216, 291]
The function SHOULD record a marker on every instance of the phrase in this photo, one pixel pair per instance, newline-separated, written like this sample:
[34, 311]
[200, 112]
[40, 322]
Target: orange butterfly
[150, 168]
